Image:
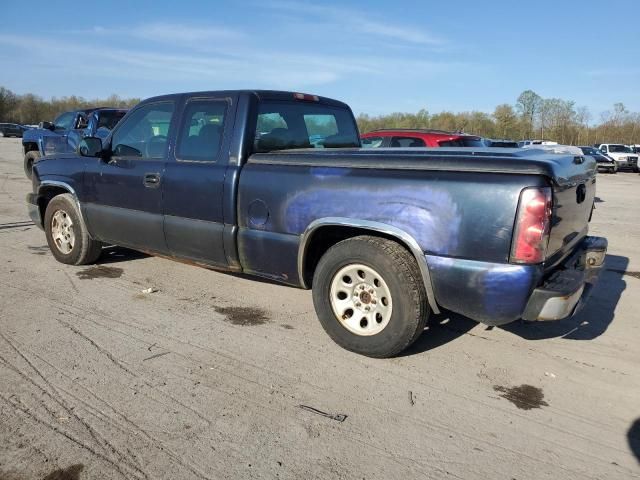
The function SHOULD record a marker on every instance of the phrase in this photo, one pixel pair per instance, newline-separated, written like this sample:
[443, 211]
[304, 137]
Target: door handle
[151, 180]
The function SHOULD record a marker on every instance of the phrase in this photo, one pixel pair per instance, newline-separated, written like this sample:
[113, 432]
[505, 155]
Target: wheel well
[30, 146]
[323, 238]
[46, 195]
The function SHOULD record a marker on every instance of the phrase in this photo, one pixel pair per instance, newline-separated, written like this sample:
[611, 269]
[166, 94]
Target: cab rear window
[293, 125]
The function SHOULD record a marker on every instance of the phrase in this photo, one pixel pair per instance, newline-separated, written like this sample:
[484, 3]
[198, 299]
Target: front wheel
[369, 296]
[66, 233]
[29, 159]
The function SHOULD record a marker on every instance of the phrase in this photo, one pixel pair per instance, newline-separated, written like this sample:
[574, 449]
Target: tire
[29, 159]
[391, 289]
[66, 233]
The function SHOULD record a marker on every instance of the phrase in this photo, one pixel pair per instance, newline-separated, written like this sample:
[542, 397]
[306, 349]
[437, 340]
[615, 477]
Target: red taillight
[306, 97]
[533, 222]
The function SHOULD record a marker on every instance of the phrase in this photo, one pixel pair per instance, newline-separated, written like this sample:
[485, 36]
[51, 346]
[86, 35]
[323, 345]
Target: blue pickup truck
[275, 184]
[66, 131]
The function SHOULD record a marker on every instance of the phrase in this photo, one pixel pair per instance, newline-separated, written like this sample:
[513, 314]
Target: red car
[409, 138]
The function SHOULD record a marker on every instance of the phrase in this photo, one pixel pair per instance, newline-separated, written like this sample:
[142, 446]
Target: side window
[144, 133]
[372, 142]
[201, 131]
[604, 148]
[407, 142]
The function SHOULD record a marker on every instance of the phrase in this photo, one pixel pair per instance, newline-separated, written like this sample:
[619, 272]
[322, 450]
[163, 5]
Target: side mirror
[47, 126]
[90, 147]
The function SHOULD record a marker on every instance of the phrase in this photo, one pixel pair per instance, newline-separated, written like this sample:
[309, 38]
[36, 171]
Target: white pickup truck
[623, 155]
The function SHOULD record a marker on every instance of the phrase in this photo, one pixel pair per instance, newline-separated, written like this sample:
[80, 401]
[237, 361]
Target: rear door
[124, 194]
[194, 180]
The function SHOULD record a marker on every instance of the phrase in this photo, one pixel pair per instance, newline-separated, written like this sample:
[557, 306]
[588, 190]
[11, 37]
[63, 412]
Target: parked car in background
[605, 163]
[11, 130]
[500, 143]
[411, 138]
[526, 143]
[66, 131]
[622, 154]
[238, 181]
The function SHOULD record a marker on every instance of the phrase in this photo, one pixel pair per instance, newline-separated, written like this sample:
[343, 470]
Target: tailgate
[572, 205]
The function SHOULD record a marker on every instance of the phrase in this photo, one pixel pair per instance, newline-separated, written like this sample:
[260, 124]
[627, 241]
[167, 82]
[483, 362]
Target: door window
[201, 131]
[144, 133]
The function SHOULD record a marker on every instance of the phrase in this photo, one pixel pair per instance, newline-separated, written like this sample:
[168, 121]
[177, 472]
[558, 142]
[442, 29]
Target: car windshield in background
[589, 151]
[64, 121]
[619, 149]
[110, 119]
[462, 142]
[289, 125]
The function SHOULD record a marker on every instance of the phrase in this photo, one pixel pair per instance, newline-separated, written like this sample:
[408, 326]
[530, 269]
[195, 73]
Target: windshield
[589, 151]
[619, 149]
[64, 121]
[109, 119]
[462, 142]
[287, 125]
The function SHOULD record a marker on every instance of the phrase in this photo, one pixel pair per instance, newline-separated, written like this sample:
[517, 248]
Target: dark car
[605, 164]
[11, 130]
[274, 184]
[501, 143]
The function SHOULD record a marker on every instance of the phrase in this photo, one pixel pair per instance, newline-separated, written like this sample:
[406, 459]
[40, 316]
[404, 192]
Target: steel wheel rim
[62, 232]
[361, 300]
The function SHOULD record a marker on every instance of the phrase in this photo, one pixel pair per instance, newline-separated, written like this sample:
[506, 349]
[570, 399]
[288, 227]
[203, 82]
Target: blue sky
[377, 56]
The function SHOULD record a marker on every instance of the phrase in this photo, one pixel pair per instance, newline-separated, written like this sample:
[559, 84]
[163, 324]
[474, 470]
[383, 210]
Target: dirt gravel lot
[204, 378]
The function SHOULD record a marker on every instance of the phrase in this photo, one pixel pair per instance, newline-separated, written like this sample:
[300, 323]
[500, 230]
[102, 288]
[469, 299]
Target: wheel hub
[361, 299]
[62, 231]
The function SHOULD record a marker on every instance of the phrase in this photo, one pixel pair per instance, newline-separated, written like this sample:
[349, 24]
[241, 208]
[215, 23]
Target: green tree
[528, 106]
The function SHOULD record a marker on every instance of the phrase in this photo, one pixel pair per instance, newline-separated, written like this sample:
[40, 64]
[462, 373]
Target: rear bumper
[568, 288]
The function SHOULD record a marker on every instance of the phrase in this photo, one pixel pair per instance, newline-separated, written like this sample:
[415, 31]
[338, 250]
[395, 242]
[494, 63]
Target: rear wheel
[66, 233]
[29, 159]
[369, 296]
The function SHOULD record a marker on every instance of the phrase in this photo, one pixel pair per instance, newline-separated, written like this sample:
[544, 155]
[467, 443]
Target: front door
[194, 181]
[124, 192]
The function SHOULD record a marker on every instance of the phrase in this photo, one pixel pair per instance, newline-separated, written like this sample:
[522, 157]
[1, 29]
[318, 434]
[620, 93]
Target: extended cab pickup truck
[66, 131]
[275, 184]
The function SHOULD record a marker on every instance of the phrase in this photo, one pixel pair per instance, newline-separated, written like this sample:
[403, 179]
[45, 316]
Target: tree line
[531, 116]
[30, 109]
